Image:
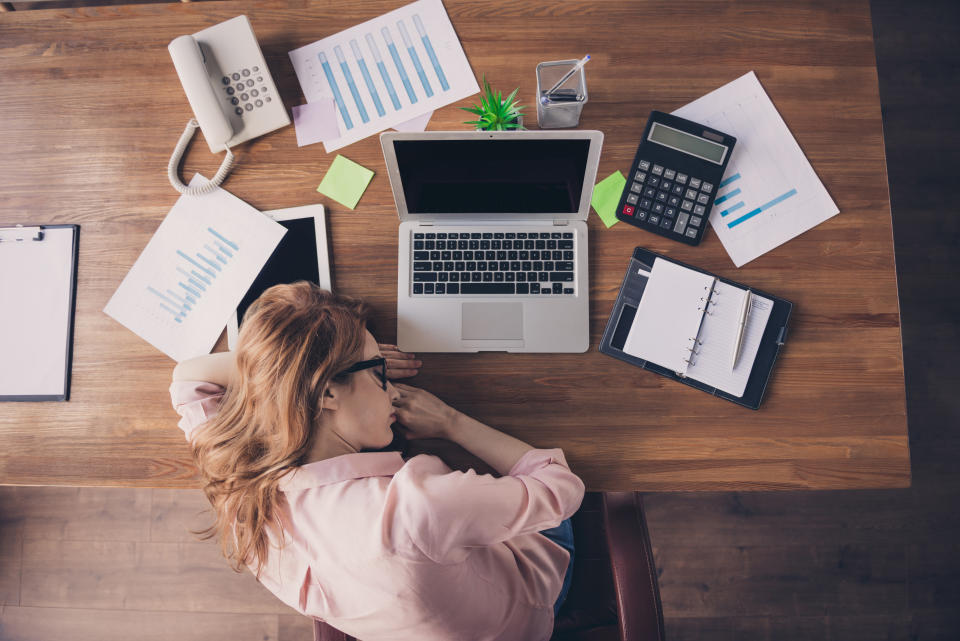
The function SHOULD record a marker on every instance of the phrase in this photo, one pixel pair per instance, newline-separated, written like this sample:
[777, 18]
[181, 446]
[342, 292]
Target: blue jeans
[562, 535]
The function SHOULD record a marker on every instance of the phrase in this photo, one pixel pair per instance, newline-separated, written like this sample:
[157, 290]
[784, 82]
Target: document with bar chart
[200, 262]
[386, 71]
[769, 193]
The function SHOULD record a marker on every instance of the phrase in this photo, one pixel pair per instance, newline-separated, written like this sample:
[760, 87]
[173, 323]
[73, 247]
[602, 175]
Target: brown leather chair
[614, 594]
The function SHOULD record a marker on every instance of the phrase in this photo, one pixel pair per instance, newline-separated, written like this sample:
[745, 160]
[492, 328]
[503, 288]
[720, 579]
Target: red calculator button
[628, 210]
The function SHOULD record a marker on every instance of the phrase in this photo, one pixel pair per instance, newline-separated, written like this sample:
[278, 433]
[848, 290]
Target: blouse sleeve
[196, 402]
[445, 512]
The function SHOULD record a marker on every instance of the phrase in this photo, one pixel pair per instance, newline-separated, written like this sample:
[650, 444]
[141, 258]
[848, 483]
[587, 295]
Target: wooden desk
[91, 109]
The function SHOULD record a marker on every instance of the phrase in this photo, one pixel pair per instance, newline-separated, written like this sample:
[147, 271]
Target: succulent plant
[495, 113]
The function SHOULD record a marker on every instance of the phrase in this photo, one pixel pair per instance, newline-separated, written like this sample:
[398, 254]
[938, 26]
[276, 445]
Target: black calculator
[674, 177]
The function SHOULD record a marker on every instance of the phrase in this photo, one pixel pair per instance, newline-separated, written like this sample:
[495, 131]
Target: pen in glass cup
[546, 95]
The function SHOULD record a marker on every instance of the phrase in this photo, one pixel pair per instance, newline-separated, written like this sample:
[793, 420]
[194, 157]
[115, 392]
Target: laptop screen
[531, 176]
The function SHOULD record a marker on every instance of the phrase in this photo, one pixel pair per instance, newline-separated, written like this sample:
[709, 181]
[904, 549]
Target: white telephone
[230, 90]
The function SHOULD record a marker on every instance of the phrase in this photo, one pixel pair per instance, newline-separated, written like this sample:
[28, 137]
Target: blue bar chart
[409, 59]
[196, 270]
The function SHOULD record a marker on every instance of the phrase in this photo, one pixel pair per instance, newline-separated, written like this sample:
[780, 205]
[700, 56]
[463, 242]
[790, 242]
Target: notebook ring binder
[19, 233]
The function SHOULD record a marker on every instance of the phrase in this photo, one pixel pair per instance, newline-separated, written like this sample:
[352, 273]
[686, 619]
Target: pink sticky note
[315, 122]
[415, 124]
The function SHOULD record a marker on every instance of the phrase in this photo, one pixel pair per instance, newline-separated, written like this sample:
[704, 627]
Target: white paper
[418, 123]
[718, 338]
[401, 90]
[193, 272]
[769, 192]
[35, 287]
[668, 316]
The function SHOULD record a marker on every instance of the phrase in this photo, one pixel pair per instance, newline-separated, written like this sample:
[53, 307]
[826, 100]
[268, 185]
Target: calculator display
[687, 143]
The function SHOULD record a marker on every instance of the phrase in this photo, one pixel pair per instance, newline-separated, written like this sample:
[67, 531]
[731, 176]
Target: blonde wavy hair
[293, 341]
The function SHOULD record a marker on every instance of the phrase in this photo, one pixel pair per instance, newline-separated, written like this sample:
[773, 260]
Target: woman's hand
[421, 414]
[399, 364]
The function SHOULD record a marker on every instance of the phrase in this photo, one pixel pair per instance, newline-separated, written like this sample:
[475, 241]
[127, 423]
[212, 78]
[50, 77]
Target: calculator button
[245, 73]
[699, 210]
[666, 223]
[674, 201]
[258, 102]
[670, 174]
[682, 179]
[654, 219]
[657, 170]
[653, 181]
[632, 199]
[244, 96]
[666, 185]
[636, 187]
[627, 210]
[681, 224]
[650, 192]
[678, 189]
[640, 176]
[248, 107]
[695, 221]
[695, 183]
[641, 215]
[644, 165]
[707, 187]
[662, 196]
[230, 91]
[235, 76]
[703, 199]
[225, 80]
[254, 93]
[234, 101]
[249, 83]
[670, 212]
[691, 232]
[686, 205]
[691, 194]
[238, 111]
[658, 208]
[646, 203]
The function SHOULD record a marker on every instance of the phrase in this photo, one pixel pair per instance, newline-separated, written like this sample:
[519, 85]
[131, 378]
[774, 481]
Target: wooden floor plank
[293, 627]
[11, 547]
[190, 577]
[81, 513]
[78, 624]
[176, 514]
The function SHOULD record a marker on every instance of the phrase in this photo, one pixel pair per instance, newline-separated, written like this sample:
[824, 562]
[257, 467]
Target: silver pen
[744, 310]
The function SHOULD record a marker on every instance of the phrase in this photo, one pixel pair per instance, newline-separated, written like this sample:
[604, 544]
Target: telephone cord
[174, 164]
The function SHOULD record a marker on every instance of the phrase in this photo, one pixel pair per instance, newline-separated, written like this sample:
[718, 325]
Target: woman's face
[366, 411]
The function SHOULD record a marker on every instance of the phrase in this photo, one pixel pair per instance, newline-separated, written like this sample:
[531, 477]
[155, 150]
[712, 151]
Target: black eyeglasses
[373, 362]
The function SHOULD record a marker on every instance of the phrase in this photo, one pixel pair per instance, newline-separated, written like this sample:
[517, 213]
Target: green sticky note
[606, 197]
[345, 181]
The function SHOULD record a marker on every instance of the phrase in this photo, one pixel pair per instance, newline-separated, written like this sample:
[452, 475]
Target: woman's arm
[212, 368]
[426, 416]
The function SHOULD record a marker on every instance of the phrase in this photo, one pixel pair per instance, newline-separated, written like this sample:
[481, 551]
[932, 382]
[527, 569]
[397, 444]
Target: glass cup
[563, 107]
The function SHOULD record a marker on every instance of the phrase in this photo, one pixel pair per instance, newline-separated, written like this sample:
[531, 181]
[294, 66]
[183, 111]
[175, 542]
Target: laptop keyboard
[492, 262]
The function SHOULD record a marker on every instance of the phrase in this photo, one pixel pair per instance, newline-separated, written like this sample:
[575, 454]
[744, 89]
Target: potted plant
[496, 113]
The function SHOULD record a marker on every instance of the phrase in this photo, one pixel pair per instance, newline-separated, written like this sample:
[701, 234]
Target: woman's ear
[332, 396]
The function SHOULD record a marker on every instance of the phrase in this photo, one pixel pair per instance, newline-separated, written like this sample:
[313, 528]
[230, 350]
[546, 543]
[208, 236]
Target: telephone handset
[230, 90]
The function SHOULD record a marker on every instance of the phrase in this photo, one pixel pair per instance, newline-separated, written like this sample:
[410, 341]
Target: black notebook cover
[625, 308]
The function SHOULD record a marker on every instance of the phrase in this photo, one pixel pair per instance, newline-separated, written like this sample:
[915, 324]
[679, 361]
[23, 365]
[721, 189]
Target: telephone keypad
[245, 95]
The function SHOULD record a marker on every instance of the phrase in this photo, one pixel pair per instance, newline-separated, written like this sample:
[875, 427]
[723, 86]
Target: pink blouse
[383, 548]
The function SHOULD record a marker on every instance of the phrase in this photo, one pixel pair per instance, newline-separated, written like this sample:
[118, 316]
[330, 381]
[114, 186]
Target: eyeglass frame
[369, 364]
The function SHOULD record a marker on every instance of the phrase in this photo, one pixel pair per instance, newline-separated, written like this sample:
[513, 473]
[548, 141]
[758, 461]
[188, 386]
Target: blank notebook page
[668, 316]
[718, 338]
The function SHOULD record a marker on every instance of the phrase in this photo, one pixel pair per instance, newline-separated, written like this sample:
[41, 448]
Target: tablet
[301, 255]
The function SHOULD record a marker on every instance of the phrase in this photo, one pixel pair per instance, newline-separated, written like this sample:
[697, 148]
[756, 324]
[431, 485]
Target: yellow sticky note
[606, 197]
[345, 181]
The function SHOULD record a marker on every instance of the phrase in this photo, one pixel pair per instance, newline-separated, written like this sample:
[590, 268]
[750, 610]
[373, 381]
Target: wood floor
[109, 564]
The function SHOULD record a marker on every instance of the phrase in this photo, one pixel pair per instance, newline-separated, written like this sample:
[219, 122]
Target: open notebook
[688, 321]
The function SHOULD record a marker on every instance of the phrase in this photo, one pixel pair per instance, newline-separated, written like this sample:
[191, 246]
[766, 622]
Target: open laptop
[493, 239]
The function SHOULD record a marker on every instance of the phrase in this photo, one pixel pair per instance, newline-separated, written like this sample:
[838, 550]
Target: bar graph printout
[192, 274]
[769, 193]
[386, 71]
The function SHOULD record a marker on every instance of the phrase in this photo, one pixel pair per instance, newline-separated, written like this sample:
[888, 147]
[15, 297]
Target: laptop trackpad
[491, 321]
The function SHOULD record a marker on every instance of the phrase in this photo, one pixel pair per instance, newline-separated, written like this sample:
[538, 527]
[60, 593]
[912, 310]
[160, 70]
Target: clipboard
[38, 286]
[625, 307]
